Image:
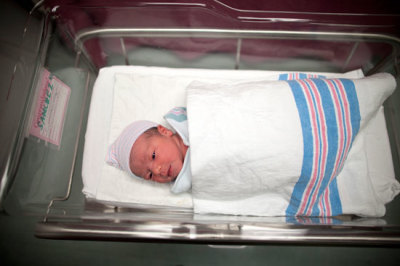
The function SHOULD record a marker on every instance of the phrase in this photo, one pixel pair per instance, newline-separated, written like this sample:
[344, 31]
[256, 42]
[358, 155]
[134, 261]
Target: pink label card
[50, 109]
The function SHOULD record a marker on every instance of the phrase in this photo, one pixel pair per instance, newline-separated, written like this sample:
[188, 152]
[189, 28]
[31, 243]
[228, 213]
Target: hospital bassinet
[43, 178]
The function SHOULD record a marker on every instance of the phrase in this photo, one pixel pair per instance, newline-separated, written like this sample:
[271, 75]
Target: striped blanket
[277, 148]
[330, 120]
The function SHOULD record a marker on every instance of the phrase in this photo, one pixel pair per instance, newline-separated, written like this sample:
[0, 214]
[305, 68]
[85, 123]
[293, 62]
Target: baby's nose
[156, 169]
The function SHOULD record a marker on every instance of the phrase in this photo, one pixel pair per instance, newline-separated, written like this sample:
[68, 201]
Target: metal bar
[37, 5]
[238, 51]
[351, 54]
[227, 233]
[124, 51]
[77, 59]
[68, 192]
[228, 33]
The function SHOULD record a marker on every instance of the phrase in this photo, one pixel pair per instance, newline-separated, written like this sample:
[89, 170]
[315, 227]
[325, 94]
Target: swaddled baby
[153, 152]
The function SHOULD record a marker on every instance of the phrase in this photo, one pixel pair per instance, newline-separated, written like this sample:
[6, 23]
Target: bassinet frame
[105, 221]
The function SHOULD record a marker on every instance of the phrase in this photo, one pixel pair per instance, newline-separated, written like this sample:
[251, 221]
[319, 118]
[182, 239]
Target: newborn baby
[153, 152]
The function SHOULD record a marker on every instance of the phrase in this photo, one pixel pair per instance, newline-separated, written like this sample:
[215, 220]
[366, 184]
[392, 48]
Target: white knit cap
[119, 152]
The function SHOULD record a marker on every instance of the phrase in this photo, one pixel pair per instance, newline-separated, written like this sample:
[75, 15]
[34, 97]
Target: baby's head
[148, 150]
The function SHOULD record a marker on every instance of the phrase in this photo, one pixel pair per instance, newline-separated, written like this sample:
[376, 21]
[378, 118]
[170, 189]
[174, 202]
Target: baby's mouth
[169, 171]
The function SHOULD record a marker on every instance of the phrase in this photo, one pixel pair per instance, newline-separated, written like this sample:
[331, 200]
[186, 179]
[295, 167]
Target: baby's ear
[164, 131]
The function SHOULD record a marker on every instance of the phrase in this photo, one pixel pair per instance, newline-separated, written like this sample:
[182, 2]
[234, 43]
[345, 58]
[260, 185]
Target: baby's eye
[150, 175]
[153, 156]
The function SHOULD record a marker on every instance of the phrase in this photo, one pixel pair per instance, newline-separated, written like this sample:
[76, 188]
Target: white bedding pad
[123, 94]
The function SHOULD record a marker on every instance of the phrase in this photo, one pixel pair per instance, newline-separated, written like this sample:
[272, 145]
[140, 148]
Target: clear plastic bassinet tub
[42, 172]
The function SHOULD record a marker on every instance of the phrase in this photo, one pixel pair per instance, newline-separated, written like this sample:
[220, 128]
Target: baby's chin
[164, 179]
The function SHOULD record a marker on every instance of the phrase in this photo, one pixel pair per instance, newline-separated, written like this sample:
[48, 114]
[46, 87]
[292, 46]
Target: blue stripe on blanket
[330, 119]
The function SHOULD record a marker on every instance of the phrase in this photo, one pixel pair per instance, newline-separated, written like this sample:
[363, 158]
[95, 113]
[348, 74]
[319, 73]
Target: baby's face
[159, 157]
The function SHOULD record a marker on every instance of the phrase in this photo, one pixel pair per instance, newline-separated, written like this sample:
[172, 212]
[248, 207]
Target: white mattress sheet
[153, 91]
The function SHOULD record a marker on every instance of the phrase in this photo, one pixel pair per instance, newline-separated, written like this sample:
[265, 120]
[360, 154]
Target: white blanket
[276, 148]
